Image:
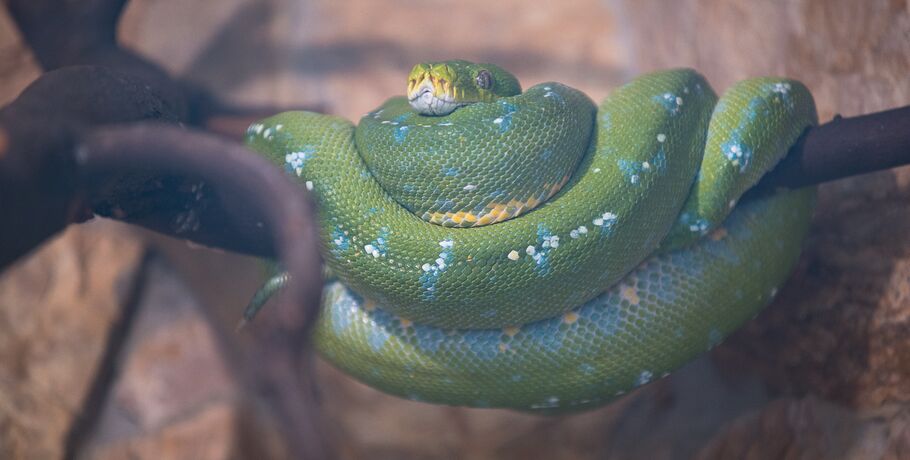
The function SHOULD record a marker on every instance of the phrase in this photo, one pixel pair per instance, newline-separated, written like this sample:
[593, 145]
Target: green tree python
[530, 250]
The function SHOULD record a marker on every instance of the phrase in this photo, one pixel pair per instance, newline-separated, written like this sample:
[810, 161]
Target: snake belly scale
[528, 250]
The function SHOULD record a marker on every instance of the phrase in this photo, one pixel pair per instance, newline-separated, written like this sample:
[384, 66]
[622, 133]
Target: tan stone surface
[812, 428]
[175, 396]
[350, 56]
[206, 434]
[56, 310]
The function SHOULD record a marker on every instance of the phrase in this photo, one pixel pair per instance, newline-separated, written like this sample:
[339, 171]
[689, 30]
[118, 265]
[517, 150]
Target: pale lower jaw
[428, 104]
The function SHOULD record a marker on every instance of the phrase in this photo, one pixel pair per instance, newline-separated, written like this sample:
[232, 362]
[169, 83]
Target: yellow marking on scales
[511, 331]
[718, 234]
[495, 212]
[629, 293]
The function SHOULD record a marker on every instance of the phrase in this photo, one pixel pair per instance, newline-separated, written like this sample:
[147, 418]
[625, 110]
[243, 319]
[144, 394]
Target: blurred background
[824, 372]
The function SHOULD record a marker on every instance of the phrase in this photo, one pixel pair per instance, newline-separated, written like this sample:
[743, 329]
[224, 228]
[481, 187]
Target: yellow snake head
[438, 88]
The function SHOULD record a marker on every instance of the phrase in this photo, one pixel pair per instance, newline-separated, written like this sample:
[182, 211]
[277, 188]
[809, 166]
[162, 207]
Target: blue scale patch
[295, 161]
[444, 205]
[498, 195]
[695, 223]
[540, 254]
[606, 121]
[782, 90]
[554, 95]
[343, 309]
[606, 317]
[635, 171]
[605, 222]
[738, 154]
[644, 378]
[671, 102]
[735, 149]
[505, 120]
[429, 338]
[401, 132]
[719, 108]
[484, 343]
[550, 335]
[433, 270]
[714, 338]
[379, 246]
[377, 337]
[450, 171]
[340, 241]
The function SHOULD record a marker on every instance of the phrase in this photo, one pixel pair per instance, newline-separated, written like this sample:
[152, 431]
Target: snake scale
[533, 251]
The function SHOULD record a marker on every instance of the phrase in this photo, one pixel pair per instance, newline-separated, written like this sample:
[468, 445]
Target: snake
[527, 249]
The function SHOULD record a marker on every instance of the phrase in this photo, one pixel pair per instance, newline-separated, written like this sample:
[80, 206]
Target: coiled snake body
[604, 246]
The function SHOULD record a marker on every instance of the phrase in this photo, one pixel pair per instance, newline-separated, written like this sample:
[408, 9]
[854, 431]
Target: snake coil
[615, 251]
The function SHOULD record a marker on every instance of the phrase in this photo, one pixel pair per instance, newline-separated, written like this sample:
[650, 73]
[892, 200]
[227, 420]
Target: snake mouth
[425, 100]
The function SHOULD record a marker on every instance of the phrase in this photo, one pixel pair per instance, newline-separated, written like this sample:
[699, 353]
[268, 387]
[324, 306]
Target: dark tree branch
[846, 147]
[65, 33]
[253, 196]
[65, 154]
[251, 190]
[39, 129]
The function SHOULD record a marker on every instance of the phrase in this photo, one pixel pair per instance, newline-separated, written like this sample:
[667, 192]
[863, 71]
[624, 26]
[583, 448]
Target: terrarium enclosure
[120, 342]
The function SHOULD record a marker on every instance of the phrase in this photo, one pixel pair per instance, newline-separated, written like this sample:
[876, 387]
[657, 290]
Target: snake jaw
[428, 99]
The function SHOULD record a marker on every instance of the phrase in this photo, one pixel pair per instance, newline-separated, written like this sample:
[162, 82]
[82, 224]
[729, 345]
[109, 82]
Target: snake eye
[484, 79]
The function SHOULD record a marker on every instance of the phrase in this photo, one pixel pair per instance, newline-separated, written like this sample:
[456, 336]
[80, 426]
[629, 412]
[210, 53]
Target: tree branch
[845, 147]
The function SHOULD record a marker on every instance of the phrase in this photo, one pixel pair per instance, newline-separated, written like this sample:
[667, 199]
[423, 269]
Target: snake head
[438, 88]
